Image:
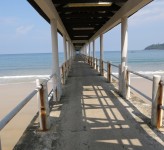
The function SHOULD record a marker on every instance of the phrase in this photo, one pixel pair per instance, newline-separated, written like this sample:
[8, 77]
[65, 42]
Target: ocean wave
[151, 72]
[146, 72]
[24, 77]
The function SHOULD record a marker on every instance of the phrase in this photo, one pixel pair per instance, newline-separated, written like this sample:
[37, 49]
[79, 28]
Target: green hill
[155, 46]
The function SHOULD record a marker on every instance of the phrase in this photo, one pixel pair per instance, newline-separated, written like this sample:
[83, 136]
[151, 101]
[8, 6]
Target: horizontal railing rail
[139, 92]
[141, 75]
[114, 65]
[41, 91]
[16, 110]
[12, 113]
[136, 90]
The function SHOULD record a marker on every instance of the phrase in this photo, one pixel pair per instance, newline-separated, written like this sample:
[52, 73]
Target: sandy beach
[144, 86]
[10, 96]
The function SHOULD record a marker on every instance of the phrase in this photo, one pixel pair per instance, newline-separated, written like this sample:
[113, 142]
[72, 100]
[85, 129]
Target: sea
[18, 68]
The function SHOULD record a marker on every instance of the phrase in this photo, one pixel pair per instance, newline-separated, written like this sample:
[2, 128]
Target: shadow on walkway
[92, 116]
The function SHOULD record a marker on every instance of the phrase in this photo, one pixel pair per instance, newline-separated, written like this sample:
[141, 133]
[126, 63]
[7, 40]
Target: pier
[89, 107]
[92, 115]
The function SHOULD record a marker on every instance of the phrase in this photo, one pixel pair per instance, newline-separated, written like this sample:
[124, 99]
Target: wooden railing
[43, 97]
[157, 98]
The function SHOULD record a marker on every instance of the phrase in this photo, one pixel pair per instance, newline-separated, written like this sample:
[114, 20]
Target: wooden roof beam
[85, 1]
[128, 9]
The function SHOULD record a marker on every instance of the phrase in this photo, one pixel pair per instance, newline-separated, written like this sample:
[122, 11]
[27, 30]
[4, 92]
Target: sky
[23, 30]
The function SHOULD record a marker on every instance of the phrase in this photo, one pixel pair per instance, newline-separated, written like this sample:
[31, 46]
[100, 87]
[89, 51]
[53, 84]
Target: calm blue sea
[28, 67]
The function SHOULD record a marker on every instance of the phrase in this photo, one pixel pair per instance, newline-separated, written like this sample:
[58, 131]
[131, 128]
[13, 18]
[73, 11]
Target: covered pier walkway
[92, 116]
[89, 113]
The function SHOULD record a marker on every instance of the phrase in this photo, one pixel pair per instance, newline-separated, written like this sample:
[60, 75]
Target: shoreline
[12, 93]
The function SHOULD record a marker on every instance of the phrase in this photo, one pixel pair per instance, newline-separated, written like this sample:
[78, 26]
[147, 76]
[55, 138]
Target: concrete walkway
[92, 116]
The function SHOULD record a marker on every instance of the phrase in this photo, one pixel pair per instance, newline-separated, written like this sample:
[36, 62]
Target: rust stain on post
[109, 73]
[160, 103]
[42, 109]
[102, 68]
[96, 65]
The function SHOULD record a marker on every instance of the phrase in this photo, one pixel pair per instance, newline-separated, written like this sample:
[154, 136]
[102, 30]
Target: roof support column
[101, 54]
[93, 48]
[55, 61]
[65, 48]
[124, 50]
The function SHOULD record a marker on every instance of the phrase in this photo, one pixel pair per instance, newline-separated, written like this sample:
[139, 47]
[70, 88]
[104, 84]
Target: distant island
[155, 46]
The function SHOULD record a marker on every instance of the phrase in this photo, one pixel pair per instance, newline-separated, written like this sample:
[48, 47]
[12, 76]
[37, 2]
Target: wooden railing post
[92, 62]
[109, 69]
[102, 68]
[126, 82]
[0, 144]
[96, 64]
[44, 111]
[120, 80]
[63, 74]
[156, 98]
[65, 66]
[160, 103]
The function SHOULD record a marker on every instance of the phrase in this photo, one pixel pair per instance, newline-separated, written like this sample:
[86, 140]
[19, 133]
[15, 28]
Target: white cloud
[154, 12]
[24, 29]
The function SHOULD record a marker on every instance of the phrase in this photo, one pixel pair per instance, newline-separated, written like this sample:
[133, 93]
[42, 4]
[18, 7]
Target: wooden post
[93, 63]
[63, 73]
[156, 94]
[126, 88]
[102, 68]
[160, 103]
[120, 80]
[44, 111]
[128, 83]
[109, 77]
[0, 144]
[96, 65]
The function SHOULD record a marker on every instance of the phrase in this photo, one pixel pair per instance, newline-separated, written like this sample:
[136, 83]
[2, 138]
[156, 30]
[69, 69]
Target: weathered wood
[93, 63]
[96, 64]
[160, 103]
[127, 83]
[102, 68]
[44, 111]
[120, 80]
[0, 144]
[63, 74]
[109, 68]
[155, 99]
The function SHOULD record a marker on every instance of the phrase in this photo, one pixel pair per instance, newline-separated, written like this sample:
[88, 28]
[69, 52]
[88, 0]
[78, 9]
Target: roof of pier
[84, 20]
